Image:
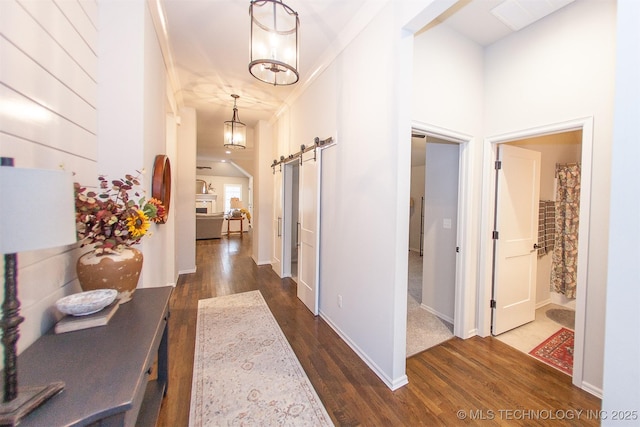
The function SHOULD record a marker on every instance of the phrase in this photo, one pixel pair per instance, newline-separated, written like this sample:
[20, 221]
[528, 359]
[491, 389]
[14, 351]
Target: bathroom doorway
[585, 127]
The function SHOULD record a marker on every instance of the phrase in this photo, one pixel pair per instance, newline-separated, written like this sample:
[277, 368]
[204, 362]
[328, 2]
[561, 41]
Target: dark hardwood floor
[479, 381]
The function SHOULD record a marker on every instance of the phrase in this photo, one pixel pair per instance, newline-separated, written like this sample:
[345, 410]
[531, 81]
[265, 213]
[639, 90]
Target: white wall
[131, 120]
[154, 93]
[562, 68]
[622, 344]
[185, 192]
[263, 191]
[218, 182]
[448, 94]
[441, 204]
[91, 101]
[360, 259]
[48, 120]
[171, 266]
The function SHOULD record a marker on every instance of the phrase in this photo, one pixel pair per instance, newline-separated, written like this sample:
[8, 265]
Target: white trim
[241, 169]
[463, 322]
[261, 262]
[360, 20]
[187, 271]
[488, 198]
[158, 18]
[437, 313]
[543, 303]
[392, 384]
[588, 387]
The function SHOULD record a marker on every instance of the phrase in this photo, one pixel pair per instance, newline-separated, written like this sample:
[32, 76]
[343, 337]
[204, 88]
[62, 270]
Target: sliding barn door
[309, 227]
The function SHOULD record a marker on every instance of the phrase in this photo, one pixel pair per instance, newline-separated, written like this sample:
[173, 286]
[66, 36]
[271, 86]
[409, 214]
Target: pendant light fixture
[235, 132]
[274, 42]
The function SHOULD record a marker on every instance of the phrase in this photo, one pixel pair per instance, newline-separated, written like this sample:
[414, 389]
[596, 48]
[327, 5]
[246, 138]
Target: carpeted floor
[245, 372]
[424, 329]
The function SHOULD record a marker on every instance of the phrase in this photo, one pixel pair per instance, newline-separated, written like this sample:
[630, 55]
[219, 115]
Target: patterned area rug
[245, 372]
[557, 351]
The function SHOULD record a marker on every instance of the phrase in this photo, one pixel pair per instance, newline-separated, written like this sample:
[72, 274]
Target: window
[231, 190]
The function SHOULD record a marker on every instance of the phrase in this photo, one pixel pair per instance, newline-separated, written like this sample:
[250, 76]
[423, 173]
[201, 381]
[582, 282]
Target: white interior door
[276, 253]
[516, 223]
[308, 234]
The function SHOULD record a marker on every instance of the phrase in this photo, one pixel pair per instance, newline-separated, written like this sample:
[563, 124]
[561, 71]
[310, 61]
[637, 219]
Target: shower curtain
[564, 268]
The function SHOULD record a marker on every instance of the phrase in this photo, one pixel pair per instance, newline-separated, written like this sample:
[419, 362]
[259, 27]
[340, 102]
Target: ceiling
[209, 46]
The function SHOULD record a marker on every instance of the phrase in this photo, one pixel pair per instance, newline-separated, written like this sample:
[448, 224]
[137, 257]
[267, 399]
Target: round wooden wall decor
[161, 184]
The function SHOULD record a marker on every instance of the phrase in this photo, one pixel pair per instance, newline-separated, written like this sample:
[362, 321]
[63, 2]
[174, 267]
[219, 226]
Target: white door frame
[488, 201]
[465, 290]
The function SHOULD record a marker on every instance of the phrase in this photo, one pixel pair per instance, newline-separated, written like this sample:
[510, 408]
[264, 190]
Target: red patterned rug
[557, 351]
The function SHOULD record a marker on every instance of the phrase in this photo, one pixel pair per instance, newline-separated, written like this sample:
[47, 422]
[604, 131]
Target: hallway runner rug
[557, 351]
[245, 372]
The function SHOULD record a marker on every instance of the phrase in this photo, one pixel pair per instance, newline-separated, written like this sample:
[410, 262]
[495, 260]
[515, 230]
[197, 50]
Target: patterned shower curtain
[564, 268]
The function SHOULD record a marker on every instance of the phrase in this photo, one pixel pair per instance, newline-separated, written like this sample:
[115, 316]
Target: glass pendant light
[235, 132]
[274, 42]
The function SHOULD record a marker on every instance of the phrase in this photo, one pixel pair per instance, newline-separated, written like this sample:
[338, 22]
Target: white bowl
[84, 303]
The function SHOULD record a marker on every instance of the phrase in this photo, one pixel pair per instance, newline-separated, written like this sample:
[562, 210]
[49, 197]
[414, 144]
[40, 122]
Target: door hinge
[492, 304]
[495, 235]
[457, 249]
[498, 164]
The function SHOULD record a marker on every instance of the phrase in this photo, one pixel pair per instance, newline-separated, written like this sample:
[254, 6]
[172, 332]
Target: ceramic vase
[119, 271]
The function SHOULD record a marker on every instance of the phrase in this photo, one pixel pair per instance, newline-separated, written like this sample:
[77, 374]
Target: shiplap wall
[48, 119]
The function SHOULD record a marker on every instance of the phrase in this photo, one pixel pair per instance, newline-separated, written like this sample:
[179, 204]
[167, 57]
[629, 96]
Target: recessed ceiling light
[228, 152]
[223, 161]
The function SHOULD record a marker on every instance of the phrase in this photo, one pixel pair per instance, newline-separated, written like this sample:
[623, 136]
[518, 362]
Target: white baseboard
[472, 333]
[187, 271]
[589, 388]
[543, 303]
[437, 313]
[261, 262]
[560, 299]
[393, 384]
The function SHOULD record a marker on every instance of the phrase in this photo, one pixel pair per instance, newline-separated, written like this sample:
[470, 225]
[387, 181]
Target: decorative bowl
[84, 303]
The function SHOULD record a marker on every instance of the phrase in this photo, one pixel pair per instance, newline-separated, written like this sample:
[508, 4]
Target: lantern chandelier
[274, 42]
[235, 132]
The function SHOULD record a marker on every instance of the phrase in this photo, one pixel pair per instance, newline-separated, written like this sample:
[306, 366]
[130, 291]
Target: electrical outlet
[340, 301]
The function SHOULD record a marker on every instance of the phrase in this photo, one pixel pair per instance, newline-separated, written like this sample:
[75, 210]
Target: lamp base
[28, 399]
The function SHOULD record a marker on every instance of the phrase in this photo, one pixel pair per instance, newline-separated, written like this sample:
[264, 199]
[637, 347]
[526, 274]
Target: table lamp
[236, 205]
[37, 211]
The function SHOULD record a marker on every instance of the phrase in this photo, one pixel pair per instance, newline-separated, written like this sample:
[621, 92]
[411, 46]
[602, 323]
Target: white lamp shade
[37, 209]
[236, 203]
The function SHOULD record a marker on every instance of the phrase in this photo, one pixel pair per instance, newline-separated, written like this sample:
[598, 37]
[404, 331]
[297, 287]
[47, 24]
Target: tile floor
[527, 337]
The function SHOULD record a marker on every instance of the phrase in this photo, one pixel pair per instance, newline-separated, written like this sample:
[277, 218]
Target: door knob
[536, 246]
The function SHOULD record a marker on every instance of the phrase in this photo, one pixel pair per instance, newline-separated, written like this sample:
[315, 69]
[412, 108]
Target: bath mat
[557, 351]
[245, 372]
[563, 316]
